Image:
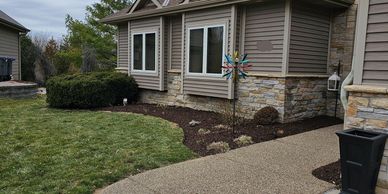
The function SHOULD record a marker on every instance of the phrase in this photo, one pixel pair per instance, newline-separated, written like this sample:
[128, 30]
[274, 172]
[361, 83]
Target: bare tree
[89, 60]
[40, 40]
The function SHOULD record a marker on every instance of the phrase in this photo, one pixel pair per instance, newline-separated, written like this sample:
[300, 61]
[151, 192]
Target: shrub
[90, 90]
[266, 116]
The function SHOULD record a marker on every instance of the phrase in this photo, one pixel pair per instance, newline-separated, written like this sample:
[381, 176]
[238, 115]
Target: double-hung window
[206, 50]
[144, 52]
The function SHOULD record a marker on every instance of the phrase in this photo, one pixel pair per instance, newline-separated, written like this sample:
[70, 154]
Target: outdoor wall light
[125, 102]
[334, 82]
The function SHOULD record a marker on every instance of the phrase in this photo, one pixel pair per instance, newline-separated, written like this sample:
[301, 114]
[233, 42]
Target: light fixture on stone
[333, 82]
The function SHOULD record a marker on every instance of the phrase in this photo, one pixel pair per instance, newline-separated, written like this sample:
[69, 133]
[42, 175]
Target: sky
[45, 17]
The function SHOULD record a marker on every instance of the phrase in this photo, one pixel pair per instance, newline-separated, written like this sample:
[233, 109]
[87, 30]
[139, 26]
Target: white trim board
[205, 28]
[144, 71]
[360, 41]
[286, 37]
[136, 4]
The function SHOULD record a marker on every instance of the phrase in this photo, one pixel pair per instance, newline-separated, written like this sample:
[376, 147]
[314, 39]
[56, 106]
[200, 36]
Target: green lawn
[45, 150]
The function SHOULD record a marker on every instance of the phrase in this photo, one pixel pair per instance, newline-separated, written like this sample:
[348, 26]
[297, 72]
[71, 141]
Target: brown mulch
[209, 120]
[329, 173]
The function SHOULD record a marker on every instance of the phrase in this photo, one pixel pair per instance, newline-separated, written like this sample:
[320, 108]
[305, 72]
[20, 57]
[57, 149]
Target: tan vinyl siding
[376, 48]
[209, 87]
[122, 57]
[9, 47]
[176, 47]
[205, 86]
[238, 29]
[265, 22]
[144, 81]
[309, 39]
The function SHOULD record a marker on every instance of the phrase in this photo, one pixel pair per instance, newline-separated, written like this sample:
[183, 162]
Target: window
[144, 52]
[206, 50]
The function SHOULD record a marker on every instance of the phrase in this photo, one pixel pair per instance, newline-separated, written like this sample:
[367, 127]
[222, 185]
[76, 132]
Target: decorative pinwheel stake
[235, 67]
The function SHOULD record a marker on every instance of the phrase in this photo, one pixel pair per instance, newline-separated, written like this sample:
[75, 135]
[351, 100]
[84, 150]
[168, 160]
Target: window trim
[205, 49]
[144, 71]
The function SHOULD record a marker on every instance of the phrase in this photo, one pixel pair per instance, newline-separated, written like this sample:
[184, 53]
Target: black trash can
[5, 68]
[361, 154]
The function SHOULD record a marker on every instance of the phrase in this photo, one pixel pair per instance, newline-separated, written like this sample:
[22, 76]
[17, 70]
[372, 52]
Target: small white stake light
[125, 102]
[333, 82]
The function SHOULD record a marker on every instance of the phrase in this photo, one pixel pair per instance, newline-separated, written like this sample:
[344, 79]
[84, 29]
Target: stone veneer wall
[258, 92]
[305, 98]
[341, 49]
[368, 110]
[294, 98]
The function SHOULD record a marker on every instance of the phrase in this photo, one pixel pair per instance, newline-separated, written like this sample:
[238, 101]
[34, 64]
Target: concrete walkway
[279, 166]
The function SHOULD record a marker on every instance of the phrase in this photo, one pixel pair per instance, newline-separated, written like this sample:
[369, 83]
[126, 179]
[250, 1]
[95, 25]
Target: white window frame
[144, 71]
[205, 49]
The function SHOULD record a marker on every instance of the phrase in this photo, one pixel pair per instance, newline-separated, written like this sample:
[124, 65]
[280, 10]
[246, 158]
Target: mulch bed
[329, 173]
[210, 120]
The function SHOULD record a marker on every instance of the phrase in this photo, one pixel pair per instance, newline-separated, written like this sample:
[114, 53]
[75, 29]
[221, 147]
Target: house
[365, 94]
[175, 49]
[10, 31]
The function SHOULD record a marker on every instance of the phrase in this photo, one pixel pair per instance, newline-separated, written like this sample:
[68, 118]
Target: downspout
[349, 80]
[344, 94]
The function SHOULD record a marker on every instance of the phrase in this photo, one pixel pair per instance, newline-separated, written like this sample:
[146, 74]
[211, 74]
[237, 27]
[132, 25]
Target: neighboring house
[10, 31]
[175, 49]
[367, 106]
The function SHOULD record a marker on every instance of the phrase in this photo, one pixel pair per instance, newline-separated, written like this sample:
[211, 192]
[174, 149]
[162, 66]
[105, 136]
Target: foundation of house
[295, 97]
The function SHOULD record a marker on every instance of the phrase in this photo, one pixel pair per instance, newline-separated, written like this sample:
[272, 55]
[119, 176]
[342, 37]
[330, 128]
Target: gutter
[15, 27]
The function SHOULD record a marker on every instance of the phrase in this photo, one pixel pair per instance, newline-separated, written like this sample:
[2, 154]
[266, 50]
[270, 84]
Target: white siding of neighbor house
[9, 47]
[144, 81]
[309, 41]
[205, 86]
[265, 22]
[376, 47]
[122, 58]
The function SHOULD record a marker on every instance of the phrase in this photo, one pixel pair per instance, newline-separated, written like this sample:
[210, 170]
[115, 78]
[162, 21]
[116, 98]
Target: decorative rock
[222, 127]
[194, 123]
[218, 147]
[204, 131]
[279, 133]
[243, 140]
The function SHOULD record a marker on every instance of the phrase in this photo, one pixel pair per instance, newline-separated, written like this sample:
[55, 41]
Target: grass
[45, 150]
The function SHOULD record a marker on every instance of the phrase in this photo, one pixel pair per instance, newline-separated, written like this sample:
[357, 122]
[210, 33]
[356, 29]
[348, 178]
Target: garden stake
[234, 95]
[235, 68]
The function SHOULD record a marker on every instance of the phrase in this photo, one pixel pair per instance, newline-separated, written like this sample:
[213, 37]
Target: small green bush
[266, 116]
[90, 90]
